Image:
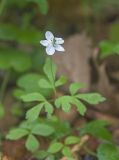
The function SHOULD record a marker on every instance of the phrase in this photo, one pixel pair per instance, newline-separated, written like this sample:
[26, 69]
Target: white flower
[52, 43]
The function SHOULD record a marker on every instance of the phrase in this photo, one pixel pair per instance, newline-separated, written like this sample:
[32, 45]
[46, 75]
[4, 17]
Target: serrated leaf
[98, 129]
[61, 81]
[48, 108]
[74, 87]
[80, 106]
[33, 113]
[64, 102]
[32, 143]
[30, 97]
[91, 98]
[43, 130]
[71, 140]
[17, 133]
[28, 124]
[50, 70]
[55, 147]
[107, 151]
[67, 152]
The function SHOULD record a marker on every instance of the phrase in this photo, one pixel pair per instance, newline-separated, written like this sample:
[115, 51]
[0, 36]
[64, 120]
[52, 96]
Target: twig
[78, 146]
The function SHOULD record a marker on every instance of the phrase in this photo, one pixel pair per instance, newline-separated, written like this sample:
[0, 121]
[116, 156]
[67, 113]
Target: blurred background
[91, 32]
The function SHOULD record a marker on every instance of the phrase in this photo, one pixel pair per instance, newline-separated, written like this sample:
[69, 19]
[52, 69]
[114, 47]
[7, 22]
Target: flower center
[53, 41]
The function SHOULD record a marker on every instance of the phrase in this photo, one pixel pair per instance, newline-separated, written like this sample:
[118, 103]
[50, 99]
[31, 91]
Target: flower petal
[50, 50]
[49, 36]
[44, 42]
[59, 48]
[59, 40]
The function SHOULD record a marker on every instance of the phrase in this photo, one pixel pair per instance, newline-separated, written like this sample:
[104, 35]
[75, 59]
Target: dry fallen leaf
[74, 62]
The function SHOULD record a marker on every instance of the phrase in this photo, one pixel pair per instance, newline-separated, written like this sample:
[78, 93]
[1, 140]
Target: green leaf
[108, 48]
[107, 151]
[50, 70]
[48, 108]
[43, 130]
[17, 133]
[32, 143]
[29, 82]
[61, 81]
[15, 59]
[43, 5]
[30, 97]
[29, 125]
[41, 154]
[29, 36]
[33, 113]
[2, 111]
[74, 87]
[97, 129]
[43, 83]
[55, 147]
[91, 98]
[67, 152]
[21, 35]
[64, 102]
[18, 93]
[62, 128]
[71, 140]
[80, 106]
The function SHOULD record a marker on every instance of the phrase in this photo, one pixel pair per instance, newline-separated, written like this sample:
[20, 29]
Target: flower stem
[54, 89]
[4, 85]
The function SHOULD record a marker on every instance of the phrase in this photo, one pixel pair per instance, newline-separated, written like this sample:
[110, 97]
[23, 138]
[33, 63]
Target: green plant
[47, 103]
[108, 48]
[107, 149]
[111, 46]
[37, 92]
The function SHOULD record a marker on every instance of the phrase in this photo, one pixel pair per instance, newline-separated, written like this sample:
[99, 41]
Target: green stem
[4, 85]
[53, 78]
